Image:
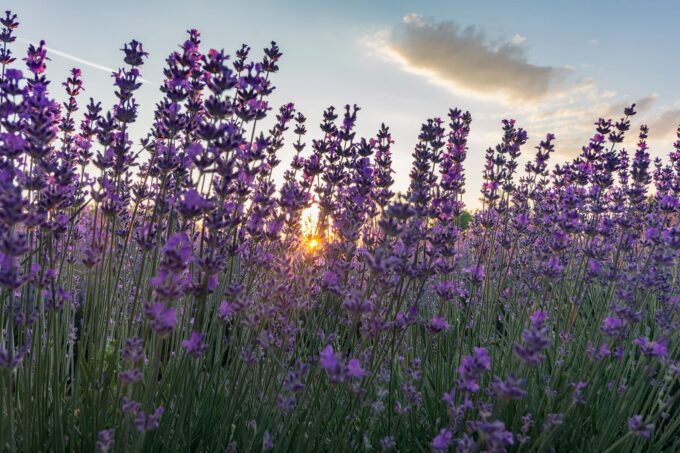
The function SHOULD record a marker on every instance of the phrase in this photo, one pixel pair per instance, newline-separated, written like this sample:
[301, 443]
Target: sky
[552, 66]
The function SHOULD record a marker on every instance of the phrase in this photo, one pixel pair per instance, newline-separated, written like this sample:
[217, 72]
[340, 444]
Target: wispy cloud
[76, 59]
[642, 106]
[518, 39]
[462, 59]
[542, 98]
[572, 121]
[665, 125]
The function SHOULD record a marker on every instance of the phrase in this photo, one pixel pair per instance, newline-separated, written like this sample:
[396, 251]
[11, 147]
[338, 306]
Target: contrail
[81, 61]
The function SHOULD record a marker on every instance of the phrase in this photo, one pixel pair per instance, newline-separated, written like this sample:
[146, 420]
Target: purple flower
[356, 305]
[170, 285]
[539, 317]
[441, 442]
[267, 442]
[471, 369]
[151, 422]
[105, 440]
[438, 324]
[330, 362]
[328, 359]
[535, 340]
[134, 350]
[612, 327]
[508, 389]
[194, 345]
[193, 204]
[553, 419]
[388, 443]
[134, 53]
[601, 352]
[130, 376]
[225, 311]
[553, 267]
[495, 435]
[9, 360]
[465, 444]
[36, 57]
[577, 394]
[129, 406]
[638, 427]
[9, 21]
[177, 252]
[56, 300]
[476, 274]
[652, 348]
[294, 377]
[163, 319]
[354, 369]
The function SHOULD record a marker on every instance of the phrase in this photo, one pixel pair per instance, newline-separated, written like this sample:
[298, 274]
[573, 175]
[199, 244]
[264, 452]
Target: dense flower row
[167, 297]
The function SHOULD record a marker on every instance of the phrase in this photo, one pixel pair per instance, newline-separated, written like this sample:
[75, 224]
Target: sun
[313, 244]
[308, 226]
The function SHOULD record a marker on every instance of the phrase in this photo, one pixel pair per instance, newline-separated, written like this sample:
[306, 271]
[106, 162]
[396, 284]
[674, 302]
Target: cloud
[542, 99]
[571, 119]
[463, 60]
[517, 39]
[415, 19]
[665, 124]
[642, 106]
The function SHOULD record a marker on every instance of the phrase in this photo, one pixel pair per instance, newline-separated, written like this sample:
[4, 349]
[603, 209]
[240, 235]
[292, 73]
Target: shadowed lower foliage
[166, 297]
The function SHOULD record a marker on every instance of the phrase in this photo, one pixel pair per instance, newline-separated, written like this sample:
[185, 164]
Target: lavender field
[170, 293]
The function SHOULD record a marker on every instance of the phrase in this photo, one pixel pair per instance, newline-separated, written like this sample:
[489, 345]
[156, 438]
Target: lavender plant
[167, 295]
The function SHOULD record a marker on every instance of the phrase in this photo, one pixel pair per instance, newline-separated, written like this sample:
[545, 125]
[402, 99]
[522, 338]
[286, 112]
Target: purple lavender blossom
[151, 422]
[163, 319]
[652, 348]
[105, 441]
[638, 427]
[354, 369]
[441, 441]
[195, 345]
[330, 362]
[510, 388]
[133, 350]
[535, 340]
[438, 324]
[471, 369]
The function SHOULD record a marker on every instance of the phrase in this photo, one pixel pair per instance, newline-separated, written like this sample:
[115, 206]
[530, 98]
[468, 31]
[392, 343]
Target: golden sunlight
[310, 217]
[312, 244]
[308, 226]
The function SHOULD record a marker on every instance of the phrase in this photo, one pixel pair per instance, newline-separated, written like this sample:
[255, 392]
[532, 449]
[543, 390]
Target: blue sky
[554, 68]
